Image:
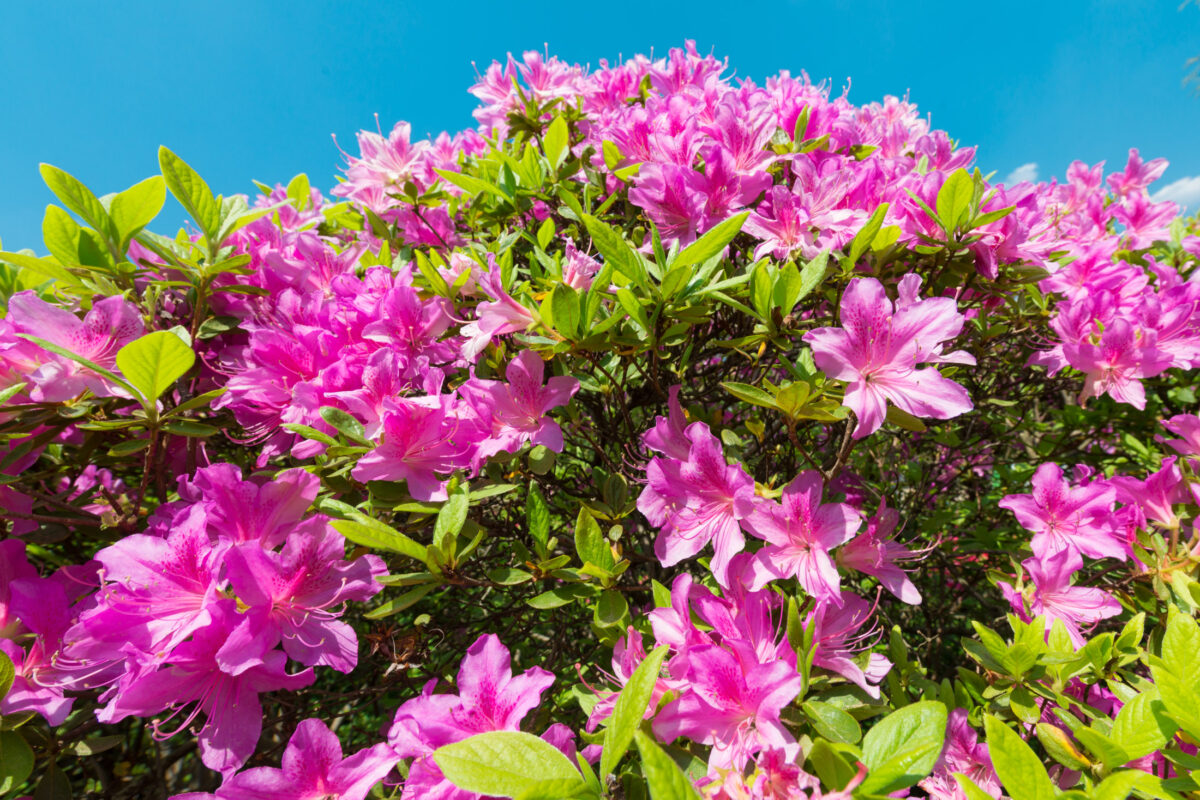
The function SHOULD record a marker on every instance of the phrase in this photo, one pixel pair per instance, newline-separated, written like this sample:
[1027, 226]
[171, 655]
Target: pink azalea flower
[1062, 516]
[801, 533]
[1116, 364]
[156, 593]
[419, 440]
[961, 753]
[1055, 598]
[490, 698]
[1137, 175]
[290, 595]
[877, 350]
[668, 436]
[42, 606]
[190, 676]
[256, 510]
[876, 552]
[518, 409]
[1156, 496]
[111, 324]
[696, 501]
[313, 769]
[836, 641]
[494, 317]
[733, 706]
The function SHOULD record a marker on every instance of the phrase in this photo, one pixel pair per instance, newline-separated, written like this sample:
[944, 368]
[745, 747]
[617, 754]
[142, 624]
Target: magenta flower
[189, 677]
[733, 706]
[291, 596]
[313, 769]
[156, 593]
[519, 408]
[1055, 598]
[801, 532]
[1062, 516]
[877, 350]
[669, 434]
[696, 501]
[111, 324]
[1137, 174]
[490, 698]
[876, 552]
[494, 317]
[961, 753]
[1116, 363]
[1155, 497]
[418, 443]
[836, 639]
[256, 510]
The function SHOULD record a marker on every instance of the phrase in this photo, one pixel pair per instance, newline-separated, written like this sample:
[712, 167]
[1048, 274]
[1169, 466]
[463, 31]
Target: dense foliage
[665, 437]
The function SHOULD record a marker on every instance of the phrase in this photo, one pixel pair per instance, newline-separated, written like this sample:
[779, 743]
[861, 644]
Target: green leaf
[832, 722]
[556, 598]
[7, 674]
[1019, 768]
[590, 543]
[1105, 750]
[902, 748]
[154, 362]
[902, 419]
[398, 604]
[617, 251]
[54, 785]
[630, 709]
[344, 424]
[509, 764]
[192, 193]
[39, 266]
[299, 191]
[751, 394]
[537, 518]
[831, 765]
[712, 242]
[472, 185]
[134, 208]
[61, 234]
[556, 140]
[954, 199]
[451, 518]
[866, 235]
[80, 199]
[1180, 645]
[564, 310]
[16, 761]
[1182, 703]
[611, 609]
[664, 778]
[812, 274]
[377, 536]
[1118, 786]
[1058, 744]
[1142, 726]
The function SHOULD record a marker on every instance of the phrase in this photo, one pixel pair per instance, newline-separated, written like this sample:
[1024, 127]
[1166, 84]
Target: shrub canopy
[664, 437]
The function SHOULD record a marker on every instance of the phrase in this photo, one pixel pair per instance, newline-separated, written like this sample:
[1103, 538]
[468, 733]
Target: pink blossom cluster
[195, 618]
[694, 497]
[1097, 518]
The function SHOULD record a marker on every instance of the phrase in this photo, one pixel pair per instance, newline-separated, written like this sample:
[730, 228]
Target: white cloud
[1185, 192]
[1025, 172]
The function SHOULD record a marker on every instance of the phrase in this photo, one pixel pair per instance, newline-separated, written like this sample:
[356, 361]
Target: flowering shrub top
[659, 412]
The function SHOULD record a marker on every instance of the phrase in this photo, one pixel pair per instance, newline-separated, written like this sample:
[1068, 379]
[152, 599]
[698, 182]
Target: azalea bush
[663, 437]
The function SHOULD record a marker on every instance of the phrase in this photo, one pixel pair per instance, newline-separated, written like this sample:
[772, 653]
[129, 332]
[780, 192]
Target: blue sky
[252, 90]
